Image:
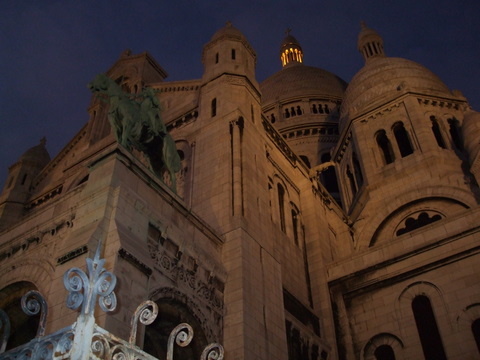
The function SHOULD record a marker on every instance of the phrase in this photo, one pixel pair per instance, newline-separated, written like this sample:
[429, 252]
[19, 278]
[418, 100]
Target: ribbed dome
[382, 79]
[37, 154]
[228, 31]
[297, 80]
[471, 133]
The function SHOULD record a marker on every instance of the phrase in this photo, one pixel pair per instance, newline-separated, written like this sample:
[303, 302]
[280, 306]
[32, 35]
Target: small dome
[37, 154]
[471, 133]
[228, 31]
[290, 51]
[297, 80]
[370, 43]
[382, 79]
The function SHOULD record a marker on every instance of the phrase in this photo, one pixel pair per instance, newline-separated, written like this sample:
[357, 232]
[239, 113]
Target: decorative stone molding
[279, 141]
[22, 245]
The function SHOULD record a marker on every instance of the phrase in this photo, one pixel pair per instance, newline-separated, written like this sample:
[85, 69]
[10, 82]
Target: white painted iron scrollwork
[213, 351]
[33, 303]
[182, 335]
[5, 329]
[85, 339]
[146, 313]
[83, 289]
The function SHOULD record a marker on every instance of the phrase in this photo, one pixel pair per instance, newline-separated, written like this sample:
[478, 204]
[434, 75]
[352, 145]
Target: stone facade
[312, 219]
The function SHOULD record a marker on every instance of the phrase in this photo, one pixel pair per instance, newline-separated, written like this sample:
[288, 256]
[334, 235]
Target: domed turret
[228, 52]
[37, 155]
[290, 51]
[20, 176]
[370, 44]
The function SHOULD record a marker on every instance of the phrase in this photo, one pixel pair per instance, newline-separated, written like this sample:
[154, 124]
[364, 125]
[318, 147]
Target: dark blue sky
[50, 50]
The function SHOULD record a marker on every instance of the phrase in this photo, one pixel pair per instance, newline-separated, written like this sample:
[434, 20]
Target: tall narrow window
[455, 133]
[233, 54]
[357, 170]
[216, 58]
[295, 225]
[281, 206]
[403, 141]
[384, 352]
[427, 329]
[385, 146]
[214, 107]
[351, 180]
[476, 332]
[328, 176]
[437, 132]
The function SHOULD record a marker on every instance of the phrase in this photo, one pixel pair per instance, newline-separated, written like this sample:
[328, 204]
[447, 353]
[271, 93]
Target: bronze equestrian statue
[136, 123]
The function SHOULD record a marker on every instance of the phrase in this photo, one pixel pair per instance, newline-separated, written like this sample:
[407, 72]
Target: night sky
[50, 50]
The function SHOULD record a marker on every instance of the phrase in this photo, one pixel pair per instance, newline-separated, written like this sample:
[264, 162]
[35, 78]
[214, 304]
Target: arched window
[384, 352]
[403, 141]
[305, 160]
[455, 134]
[281, 205]
[437, 133]
[476, 332]
[385, 146]
[214, 107]
[314, 109]
[427, 329]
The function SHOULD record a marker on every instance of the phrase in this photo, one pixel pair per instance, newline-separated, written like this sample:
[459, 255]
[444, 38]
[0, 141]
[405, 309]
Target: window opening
[427, 329]
[403, 141]
[423, 219]
[385, 146]
[384, 352]
[357, 170]
[437, 133]
[295, 226]
[214, 107]
[455, 133]
[305, 160]
[476, 332]
[216, 58]
[351, 180]
[281, 206]
[328, 177]
[233, 54]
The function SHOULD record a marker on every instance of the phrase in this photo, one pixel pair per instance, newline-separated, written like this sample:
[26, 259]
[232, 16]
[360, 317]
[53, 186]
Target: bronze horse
[136, 122]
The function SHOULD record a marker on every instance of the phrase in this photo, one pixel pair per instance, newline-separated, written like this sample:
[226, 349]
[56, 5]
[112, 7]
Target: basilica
[302, 217]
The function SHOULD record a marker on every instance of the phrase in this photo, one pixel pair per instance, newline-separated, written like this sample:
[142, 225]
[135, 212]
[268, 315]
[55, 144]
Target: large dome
[298, 80]
[384, 78]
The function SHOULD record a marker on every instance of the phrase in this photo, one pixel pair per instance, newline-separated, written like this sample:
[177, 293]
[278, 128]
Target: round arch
[23, 327]
[174, 308]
